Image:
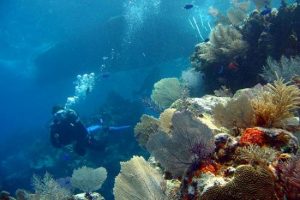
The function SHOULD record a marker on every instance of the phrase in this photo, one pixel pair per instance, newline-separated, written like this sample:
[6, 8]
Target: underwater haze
[95, 83]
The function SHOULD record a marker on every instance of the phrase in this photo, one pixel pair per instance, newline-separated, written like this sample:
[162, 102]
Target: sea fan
[290, 177]
[190, 142]
[285, 68]
[166, 91]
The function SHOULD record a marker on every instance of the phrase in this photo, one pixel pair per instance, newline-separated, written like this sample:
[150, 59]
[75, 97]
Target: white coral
[138, 181]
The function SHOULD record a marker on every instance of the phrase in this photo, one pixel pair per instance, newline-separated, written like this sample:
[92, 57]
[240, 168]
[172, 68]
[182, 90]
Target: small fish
[266, 11]
[105, 58]
[233, 66]
[221, 70]
[188, 6]
[88, 91]
[105, 75]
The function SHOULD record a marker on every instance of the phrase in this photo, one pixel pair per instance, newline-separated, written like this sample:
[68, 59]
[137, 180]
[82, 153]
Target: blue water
[45, 44]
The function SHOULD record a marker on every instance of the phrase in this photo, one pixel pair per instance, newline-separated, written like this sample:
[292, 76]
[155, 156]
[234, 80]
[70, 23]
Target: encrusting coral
[138, 180]
[253, 136]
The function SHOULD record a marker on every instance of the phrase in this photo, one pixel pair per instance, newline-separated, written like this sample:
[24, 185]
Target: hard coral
[248, 183]
[252, 136]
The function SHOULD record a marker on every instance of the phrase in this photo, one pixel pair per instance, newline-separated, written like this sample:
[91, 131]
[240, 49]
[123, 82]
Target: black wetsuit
[66, 129]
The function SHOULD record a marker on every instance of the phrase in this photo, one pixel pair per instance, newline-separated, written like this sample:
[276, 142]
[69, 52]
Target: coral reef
[272, 35]
[138, 180]
[166, 91]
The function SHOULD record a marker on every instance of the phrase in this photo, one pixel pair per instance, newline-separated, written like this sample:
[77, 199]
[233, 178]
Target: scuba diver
[66, 128]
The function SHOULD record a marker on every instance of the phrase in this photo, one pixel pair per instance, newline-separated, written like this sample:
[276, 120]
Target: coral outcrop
[259, 36]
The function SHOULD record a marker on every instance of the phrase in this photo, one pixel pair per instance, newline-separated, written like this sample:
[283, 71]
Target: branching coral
[255, 154]
[276, 103]
[138, 181]
[166, 91]
[238, 112]
[290, 177]
[47, 188]
[88, 179]
[148, 126]
[190, 141]
[285, 68]
[225, 42]
[248, 183]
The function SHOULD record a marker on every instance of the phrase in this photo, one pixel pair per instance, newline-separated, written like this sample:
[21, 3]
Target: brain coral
[249, 183]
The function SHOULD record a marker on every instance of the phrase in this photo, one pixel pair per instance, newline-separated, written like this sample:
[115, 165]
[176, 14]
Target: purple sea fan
[189, 143]
[290, 177]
